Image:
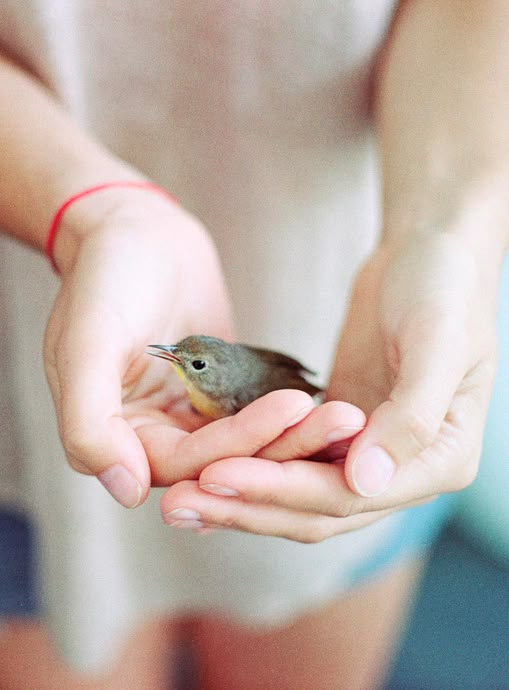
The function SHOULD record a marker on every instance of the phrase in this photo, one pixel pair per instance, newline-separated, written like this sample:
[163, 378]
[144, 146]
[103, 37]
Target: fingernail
[372, 472]
[183, 518]
[342, 433]
[208, 528]
[122, 485]
[219, 490]
[300, 416]
[185, 524]
[183, 514]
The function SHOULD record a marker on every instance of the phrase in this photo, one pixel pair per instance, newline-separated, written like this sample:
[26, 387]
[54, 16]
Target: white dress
[255, 115]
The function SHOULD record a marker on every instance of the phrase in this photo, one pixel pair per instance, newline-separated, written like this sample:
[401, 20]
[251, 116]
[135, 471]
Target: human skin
[417, 350]
[431, 282]
[418, 347]
[111, 399]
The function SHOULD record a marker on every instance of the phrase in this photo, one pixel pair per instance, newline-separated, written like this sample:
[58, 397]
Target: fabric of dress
[256, 116]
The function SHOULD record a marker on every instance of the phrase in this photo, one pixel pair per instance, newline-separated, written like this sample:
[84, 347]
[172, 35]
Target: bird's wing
[279, 359]
[304, 385]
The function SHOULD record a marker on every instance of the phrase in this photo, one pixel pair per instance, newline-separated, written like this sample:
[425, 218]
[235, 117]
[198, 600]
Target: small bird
[221, 378]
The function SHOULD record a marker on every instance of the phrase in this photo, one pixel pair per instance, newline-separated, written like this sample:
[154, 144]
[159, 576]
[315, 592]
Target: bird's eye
[199, 364]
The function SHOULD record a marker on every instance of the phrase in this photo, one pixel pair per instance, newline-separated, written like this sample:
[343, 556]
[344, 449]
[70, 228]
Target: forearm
[45, 158]
[441, 106]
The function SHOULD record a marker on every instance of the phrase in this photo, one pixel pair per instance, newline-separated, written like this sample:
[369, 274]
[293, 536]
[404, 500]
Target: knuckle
[343, 510]
[465, 476]
[229, 523]
[453, 462]
[465, 465]
[247, 429]
[232, 521]
[486, 368]
[76, 444]
[422, 428]
[426, 500]
[268, 497]
[315, 533]
[77, 465]
[74, 441]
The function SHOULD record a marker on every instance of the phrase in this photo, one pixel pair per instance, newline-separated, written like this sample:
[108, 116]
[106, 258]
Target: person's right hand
[144, 271]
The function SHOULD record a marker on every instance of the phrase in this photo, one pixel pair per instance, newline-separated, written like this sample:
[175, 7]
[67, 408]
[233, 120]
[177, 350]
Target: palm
[417, 347]
[128, 288]
[362, 374]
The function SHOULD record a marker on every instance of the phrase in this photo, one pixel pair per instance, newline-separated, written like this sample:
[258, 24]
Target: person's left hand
[417, 353]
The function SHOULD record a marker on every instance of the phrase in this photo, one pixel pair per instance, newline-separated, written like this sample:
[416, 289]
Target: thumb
[86, 388]
[400, 428]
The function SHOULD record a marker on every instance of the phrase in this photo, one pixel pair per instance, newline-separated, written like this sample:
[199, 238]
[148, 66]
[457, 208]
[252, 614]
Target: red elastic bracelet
[55, 223]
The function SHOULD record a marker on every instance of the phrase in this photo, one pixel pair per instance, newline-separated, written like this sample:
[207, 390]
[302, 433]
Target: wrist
[120, 204]
[474, 212]
[448, 261]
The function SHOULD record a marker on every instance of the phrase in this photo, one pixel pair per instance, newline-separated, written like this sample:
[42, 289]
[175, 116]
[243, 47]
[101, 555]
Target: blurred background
[458, 635]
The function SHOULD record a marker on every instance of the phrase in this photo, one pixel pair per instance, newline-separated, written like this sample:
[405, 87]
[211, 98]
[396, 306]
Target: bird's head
[202, 362]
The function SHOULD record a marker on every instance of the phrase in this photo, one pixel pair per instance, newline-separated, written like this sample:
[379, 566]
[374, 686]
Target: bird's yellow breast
[201, 402]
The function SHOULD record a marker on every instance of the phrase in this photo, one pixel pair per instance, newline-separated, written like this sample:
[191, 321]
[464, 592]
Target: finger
[96, 437]
[412, 419]
[160, 441]
[186, 505]
[453, 460]
[327, 425]
[298, 485]
[242, 434]
[449, 464]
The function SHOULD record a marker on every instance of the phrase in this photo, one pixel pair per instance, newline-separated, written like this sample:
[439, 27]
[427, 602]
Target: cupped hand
[417, 354]
[147, 272]
[281, 425]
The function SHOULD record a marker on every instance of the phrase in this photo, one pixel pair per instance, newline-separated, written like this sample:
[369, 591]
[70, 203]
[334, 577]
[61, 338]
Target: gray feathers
[233, 375]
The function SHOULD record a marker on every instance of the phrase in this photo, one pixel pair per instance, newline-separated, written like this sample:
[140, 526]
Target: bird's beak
[165, 352]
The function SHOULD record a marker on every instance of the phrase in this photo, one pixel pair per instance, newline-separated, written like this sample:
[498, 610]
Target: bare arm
[442, 106]
[46, 158]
